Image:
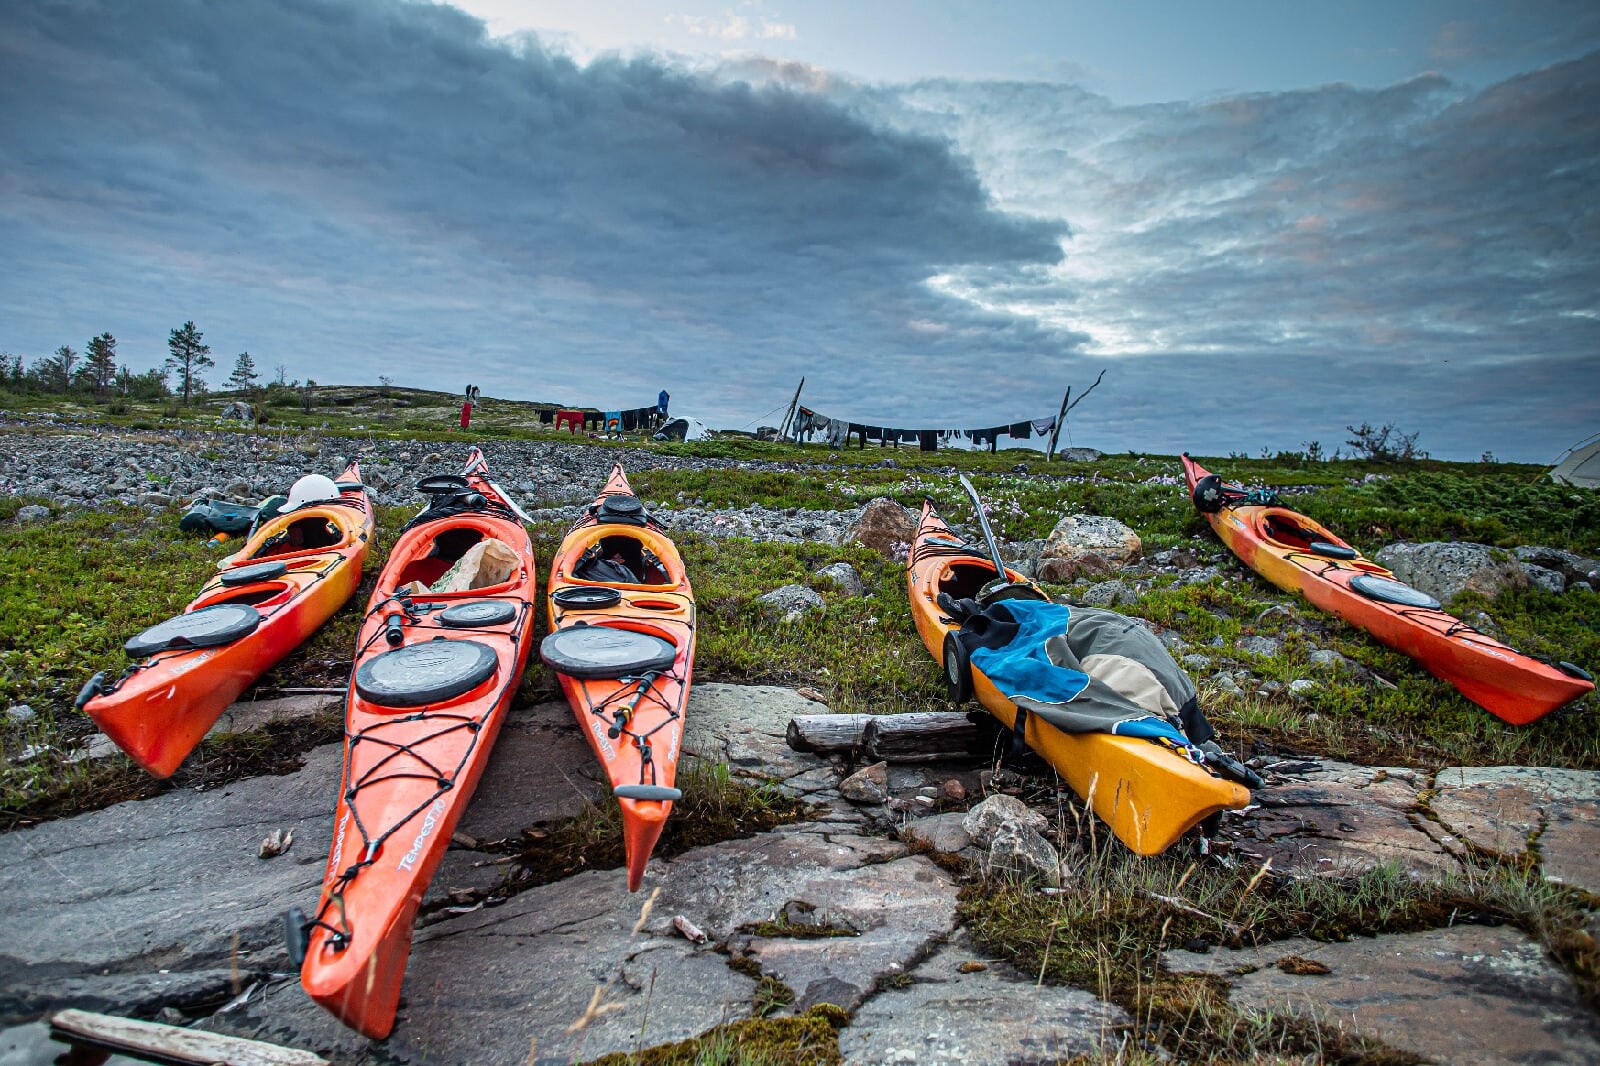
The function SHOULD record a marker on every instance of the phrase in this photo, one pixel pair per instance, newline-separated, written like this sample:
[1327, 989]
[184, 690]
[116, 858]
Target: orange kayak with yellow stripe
[441, 652]
[622, 620]
[1148, 794]
[264, 601]
[1298, 554]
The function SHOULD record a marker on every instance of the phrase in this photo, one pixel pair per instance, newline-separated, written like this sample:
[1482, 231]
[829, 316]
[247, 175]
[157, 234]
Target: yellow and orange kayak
[1149, 795]
[434, 674]
[622, 620]
[1298, 554]
[289, 578]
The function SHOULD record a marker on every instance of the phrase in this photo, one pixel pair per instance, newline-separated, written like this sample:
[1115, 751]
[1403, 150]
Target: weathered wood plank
[828, 734]
[921, 736]
[917, 737]
[174, 1044]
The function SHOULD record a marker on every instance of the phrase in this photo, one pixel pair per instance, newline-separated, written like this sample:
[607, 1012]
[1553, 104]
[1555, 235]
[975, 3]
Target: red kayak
[622, 621]
[1299, 555]
[262, 603]
[442, 649]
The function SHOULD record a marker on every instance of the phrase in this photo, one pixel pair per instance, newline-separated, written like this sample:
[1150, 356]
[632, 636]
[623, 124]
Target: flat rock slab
[1332, 818]
[160, 884]
[746, 726]
[1470, 994]
[249, 715]
[1512, 810]
[100, 904]
[944, 1017]
[490, 985]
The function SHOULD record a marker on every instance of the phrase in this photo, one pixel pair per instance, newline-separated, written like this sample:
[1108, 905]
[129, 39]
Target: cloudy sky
[1264, 221]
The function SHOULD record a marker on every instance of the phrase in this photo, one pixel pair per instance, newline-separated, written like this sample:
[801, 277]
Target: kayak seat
[964, 580]
[206, 628]
[595, 652]
[622, 560]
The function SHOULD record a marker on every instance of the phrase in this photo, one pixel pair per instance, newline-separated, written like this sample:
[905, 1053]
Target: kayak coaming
[666, 610]
[1148, 795]
[357, 951]
[1497, 677]
[160, 711]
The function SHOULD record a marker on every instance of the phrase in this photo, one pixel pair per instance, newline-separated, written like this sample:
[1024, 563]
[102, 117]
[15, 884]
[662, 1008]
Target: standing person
[466, 414]
[661, 404]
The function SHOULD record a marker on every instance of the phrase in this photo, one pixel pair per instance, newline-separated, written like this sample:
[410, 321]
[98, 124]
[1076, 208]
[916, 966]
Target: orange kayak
[1298, 554]
[622, 619]
[434, 673]
[289, 578]
[1148, 794]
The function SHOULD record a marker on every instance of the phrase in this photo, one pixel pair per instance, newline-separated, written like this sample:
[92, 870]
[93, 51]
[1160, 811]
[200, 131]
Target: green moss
[771, 996]
[715, 807]
[807, 1039]
[1107, 932]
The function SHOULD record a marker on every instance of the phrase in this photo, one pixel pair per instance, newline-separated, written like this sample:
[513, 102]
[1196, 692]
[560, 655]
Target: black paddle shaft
[983, 524]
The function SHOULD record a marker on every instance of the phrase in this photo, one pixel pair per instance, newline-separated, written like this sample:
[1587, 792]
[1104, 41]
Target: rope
[425, 769]
[644, 686]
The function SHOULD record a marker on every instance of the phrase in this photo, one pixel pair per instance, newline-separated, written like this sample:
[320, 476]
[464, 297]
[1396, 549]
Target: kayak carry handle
[92, 688]
[296, 936]
[660, 793]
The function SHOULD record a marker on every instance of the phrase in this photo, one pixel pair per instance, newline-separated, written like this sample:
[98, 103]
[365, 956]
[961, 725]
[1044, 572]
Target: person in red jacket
[466, 414]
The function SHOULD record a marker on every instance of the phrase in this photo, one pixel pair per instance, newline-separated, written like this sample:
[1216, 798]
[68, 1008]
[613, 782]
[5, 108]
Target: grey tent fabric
[1581, 467]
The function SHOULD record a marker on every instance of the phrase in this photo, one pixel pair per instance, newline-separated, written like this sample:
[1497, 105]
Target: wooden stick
[172, 1043]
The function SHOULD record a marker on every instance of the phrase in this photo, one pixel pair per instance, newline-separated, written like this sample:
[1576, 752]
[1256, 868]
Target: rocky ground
[163, 908]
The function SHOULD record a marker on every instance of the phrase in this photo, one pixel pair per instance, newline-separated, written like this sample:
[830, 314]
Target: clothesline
[838, 433]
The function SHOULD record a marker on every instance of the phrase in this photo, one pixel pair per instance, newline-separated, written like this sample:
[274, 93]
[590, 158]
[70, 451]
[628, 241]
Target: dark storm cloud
[383, 170]
[1441, 248]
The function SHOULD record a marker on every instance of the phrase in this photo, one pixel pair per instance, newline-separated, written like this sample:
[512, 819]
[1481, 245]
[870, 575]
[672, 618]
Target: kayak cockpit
[444, 551]
[620, 559]
[1298, 533]
[313, 532]
[963, 580]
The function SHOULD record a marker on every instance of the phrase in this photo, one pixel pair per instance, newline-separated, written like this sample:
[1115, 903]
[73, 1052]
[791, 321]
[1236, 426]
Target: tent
[683, 429]
[1581, 467]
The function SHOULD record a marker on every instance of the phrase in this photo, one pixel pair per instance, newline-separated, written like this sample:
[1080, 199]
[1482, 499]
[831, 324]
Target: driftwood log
[919, 737]
[169, 1043]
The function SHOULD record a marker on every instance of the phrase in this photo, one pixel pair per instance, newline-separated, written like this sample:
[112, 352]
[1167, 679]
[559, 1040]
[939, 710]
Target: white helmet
[311, 489]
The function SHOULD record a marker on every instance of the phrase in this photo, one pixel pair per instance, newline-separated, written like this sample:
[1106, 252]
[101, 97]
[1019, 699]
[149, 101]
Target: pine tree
[101, 362]
[190, 355]
[244, 375]
[56, 370]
